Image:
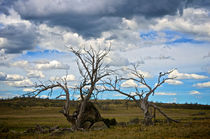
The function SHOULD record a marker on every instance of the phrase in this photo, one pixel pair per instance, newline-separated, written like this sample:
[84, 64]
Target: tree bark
[147, 115]
[81, 112]
[148, 119]
[87, 112]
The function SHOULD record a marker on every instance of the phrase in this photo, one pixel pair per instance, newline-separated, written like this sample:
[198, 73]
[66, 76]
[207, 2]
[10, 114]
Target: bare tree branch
[92, 71]
[143, 96]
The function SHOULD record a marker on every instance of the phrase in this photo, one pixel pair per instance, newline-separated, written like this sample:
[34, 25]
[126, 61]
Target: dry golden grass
[192, 124]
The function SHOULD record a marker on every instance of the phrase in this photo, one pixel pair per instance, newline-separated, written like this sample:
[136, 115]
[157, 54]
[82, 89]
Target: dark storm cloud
[18, 38]
[91, 20]
[198, 3]
[87, 26]
[5, 4]
[122, 8]
[91, 17]
[149, 8]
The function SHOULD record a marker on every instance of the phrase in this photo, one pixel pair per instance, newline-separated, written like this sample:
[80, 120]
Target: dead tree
[92, 70]
[140, 97]
[39, 88]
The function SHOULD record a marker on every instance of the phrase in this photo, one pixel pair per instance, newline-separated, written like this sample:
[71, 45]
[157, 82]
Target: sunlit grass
[192, 124]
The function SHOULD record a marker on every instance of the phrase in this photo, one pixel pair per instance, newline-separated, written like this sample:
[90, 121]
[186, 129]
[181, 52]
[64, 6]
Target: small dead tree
[140, 97]
[63, 85]
[92, 70]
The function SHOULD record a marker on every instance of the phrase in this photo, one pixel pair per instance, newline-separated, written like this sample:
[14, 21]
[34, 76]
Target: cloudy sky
[158, 35]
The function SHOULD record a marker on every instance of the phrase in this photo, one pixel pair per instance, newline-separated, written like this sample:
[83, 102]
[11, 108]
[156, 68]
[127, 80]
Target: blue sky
[159, 36]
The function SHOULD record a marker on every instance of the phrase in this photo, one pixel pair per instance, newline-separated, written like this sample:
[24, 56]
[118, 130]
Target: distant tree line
[19, 102]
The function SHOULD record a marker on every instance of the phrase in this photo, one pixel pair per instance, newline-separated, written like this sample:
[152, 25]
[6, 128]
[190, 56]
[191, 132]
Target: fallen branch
[168, 118]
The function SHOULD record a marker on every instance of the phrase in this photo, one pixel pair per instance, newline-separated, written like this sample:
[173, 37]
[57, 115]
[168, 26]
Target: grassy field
[194, 122]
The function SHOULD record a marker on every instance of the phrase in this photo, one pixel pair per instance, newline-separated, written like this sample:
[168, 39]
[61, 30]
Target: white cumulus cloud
[69, 77]
[202, 85]
[21, 63]
[194, 92]
[144, 73]
[130, 24]
[14, 77]
[194, 21]
[116, 59]
[174, 82]
[23, 83]
[28, 89]
[129, 83]
[13, 19]
[35, 74]
[52, 65]
[10, 77]
[179, 75]
[165, 94]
